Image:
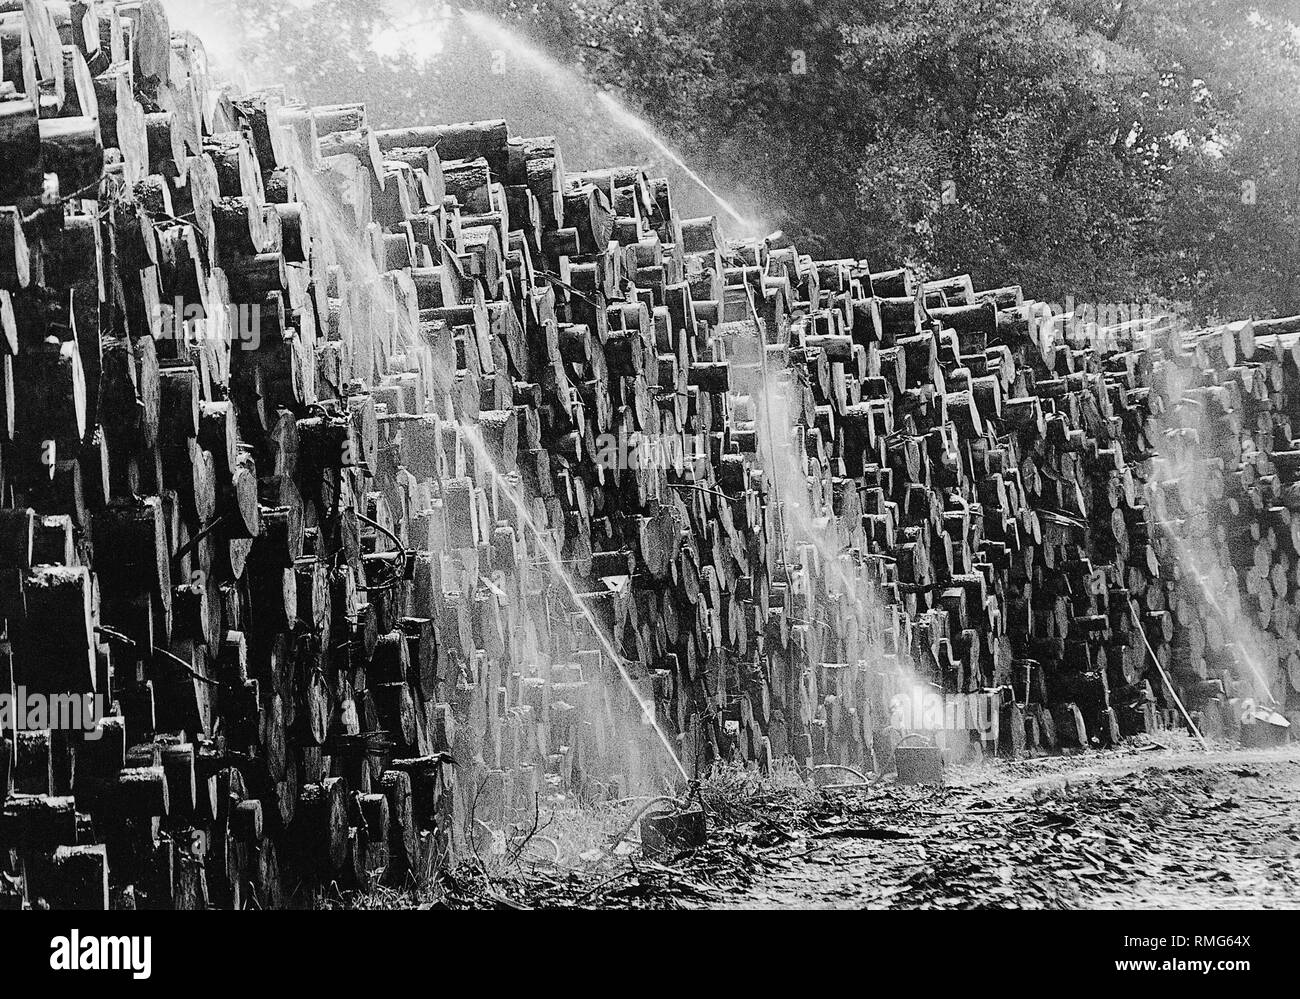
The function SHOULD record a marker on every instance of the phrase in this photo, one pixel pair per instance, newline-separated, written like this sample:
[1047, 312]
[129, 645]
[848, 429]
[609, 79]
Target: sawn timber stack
[375, 481]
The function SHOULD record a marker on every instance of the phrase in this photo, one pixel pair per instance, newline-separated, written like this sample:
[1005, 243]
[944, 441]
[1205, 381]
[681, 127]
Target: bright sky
[417, 30]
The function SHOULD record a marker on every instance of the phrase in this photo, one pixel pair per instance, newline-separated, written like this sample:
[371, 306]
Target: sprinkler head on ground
[919, 762]
[1263, 728]
[666, 834]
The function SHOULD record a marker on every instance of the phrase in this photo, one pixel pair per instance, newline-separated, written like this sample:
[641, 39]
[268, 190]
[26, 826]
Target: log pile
[1228, 508]
[381, 483]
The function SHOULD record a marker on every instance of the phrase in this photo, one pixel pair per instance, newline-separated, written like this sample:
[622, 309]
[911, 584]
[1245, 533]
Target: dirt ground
[1144, 828]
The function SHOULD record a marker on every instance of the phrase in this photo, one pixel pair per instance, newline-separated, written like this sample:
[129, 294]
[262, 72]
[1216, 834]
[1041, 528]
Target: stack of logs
[1228, 502]
[379, 484]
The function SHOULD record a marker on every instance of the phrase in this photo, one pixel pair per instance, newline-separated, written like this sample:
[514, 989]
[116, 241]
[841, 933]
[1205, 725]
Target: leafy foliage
[1098, 149]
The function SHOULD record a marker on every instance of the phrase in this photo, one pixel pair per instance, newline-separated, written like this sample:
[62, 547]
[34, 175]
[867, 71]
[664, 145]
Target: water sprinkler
[683, 828]
[670, 831]
[918, 764]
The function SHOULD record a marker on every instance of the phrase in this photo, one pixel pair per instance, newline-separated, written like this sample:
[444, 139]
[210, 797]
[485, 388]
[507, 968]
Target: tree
[1105, 150]
[1089, 148]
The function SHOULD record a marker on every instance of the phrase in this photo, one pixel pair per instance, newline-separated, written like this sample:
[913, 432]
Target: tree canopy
[1104, 150]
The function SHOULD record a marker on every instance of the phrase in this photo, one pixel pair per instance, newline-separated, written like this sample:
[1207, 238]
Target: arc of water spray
[483, 459]
[487, 26]
[622, 115]
[1204, 586]
[1191, 563]
[790, 505]
[765, 413]
[547, 546]
[360, 264]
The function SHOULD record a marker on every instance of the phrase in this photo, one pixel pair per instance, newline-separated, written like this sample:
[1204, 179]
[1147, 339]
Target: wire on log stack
[378, 482]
